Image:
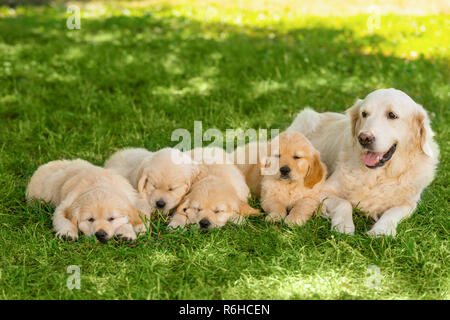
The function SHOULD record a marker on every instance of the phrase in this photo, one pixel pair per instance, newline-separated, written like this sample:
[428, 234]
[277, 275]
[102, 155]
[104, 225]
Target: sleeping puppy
[219, 196]
[162, 177]
[292, 191]
[88, 198]
[380, 154]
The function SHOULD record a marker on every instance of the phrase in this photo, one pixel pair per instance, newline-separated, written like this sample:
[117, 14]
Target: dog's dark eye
[111, 219]
[392, 115]
[364, 114]
[170, 189]
[184, 210]
[297, 157]
[91, 219]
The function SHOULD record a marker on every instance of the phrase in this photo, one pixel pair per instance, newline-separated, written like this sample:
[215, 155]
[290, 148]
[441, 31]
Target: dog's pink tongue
[370, 159]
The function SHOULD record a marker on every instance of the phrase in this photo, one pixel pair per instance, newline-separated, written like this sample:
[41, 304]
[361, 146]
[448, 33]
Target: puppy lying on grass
[219, 195]
[291, 191]
[162, 177]
[88, 198]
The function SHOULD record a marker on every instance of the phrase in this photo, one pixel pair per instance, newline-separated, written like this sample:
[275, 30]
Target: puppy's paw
[382, 229]
[274, 217]
[343, 226]
[177, 221]
[125, 232]
[295, 219]
[323, 210]
[69, 234]
[140, 229]
[175, 224]
[238, 219]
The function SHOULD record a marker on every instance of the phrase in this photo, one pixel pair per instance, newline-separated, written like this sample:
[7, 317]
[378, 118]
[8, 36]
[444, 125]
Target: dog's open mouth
[374, 160]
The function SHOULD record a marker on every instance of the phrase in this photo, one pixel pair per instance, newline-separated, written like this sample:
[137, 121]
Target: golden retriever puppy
[291, 191]
[219, 196]
[88, 198]
[162, 177]
[380, 155]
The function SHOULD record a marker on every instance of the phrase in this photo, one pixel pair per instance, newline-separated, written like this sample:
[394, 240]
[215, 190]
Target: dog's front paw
[274, 217]
[178, 220]
[140, 229]
[125, 232]
[323, 210]
[238, 219]
[382, 229]
[70, 234]
[175, 224]
[295, 219]
[343, 226]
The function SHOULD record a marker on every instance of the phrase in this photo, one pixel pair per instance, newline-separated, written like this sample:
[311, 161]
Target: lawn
[136, 71]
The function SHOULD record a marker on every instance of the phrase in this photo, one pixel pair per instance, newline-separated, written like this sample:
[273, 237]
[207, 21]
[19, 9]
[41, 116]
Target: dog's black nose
[101, 235]
[366, 139]
[285, 170]
[160, 204]
[204, 223]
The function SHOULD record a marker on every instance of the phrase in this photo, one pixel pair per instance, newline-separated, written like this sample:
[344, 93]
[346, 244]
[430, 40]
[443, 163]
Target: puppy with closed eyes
[219, 196]
[89, 199]
[291, 191]
[162, 177]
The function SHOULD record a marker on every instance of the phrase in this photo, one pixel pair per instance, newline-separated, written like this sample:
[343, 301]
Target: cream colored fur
[293, 198]
[219, 194]
[88, 198]
[165, 175]
[389, 193]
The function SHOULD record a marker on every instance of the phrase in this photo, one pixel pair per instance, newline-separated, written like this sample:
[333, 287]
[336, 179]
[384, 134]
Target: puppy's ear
[181, 209]
[142, 183]
[424, 133]
[353, 114]
[315, 172]
[71, 214]
[245, 210]
[195, 171]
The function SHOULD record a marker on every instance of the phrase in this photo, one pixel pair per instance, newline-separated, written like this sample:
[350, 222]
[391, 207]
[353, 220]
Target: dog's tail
[305, 122]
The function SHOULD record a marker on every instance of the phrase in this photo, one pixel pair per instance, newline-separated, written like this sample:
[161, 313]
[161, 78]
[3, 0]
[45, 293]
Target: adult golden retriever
[380, 156]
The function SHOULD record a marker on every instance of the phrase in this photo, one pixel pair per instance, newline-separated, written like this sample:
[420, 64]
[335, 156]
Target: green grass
[129, 78]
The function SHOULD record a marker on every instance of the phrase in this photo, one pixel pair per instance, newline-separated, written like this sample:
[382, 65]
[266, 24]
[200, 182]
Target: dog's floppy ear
[246, 210]
[353, 114]
[195, 171]
[425, 134]
[182, 207]
[315, 172]
[71, 214]
[142, 183]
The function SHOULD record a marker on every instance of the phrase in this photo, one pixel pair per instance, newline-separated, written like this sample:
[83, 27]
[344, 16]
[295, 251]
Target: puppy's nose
[160, 204]
[204, 223]
[285, 170]
[366, 139]
[101, 236]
